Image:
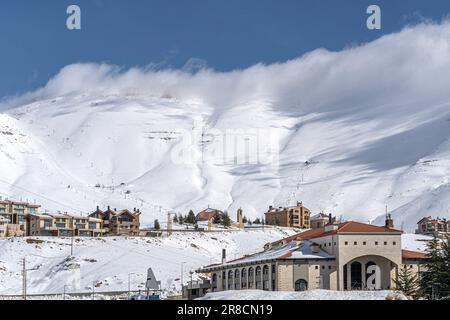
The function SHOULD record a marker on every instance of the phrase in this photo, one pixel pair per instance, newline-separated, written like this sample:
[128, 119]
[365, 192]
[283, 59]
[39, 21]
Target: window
[329, 267]
[355, 243]
[394, 243]
[325, 245]
[364, 243]
[376, 243]
[346, 243]
[323, 267]
[329, 244]
[317, 267]
[385, 243]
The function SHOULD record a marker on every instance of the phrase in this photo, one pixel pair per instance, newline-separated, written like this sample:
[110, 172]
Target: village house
[339, 256]
[294, 217]
[433, 227]
[15, 213]
[122, 223]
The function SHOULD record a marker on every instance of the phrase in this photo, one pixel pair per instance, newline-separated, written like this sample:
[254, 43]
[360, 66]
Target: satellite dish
[152, 283]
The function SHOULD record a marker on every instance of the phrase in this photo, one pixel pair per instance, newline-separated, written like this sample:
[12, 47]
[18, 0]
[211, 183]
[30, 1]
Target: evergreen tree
[244, 219]
[157, 226]
[226, 221]
[175, 218]
[217, 219]
[435, 281]
[191, 217]
[180, 219]
[408, 282]
[257, 221]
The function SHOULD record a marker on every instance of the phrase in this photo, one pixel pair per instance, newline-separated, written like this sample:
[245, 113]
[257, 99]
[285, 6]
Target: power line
[39, 195]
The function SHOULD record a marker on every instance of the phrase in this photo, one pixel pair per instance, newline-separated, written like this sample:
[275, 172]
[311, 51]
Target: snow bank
[306, 295]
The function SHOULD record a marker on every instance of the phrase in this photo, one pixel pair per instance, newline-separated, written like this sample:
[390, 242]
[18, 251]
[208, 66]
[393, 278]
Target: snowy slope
[107, 262]
[345, 132]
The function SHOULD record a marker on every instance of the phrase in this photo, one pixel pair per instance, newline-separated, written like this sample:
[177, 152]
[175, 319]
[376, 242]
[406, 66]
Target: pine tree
[217, 219]
[175, 218]
[226, 221]
[191, 217]
[435, 281]
[257, 221]
[244, 219]
[157, 226]
[408, 282]
[181, 219]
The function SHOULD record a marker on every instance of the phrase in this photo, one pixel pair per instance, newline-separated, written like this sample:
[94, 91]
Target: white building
[344, 256]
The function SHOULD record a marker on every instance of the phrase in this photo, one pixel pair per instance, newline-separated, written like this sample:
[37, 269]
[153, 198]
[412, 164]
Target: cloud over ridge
[393, 66]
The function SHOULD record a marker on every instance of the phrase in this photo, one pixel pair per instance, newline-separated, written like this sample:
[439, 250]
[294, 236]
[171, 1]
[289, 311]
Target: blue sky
[227, 34]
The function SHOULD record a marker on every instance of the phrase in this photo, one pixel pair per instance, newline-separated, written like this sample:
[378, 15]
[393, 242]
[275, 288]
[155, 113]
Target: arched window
[258, 278]
[301, 285]
[266, 277]
[244, 278]
[237, 279]
[214, 281]
[251, 275]
[356, 276]
[230, 280]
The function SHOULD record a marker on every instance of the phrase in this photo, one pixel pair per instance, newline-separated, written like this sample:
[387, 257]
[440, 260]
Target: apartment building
[63, 225]
[433, 227]
[294, 217]
[118, 223]
[15, 213]
[3, 226]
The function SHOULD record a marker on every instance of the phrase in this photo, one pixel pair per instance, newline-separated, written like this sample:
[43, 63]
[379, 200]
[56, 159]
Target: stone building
[3, 226]
[433, 227]
[208, 214]
[120, 223]
[15, 212]
[294, 217]
[319, 220]
[338, 256]
[63, 225]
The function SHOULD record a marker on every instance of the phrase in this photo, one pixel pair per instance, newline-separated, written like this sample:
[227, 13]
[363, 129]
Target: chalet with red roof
[208, 214]
[339, 256]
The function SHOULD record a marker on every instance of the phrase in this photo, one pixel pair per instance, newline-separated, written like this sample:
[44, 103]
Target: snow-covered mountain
[345, 132]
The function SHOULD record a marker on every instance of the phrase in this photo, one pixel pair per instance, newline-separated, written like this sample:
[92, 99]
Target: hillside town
[326, 254]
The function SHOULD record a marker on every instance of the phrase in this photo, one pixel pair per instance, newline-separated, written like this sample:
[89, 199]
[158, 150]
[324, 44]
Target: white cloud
[412, 64]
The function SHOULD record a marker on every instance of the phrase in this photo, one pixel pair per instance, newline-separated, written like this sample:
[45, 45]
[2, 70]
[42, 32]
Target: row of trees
[190, 218]
[434, 282]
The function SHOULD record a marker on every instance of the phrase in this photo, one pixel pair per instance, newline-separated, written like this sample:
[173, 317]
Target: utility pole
[71, 243]
[182, 274]
[93, 290]
[190, 291]
[24, 279]
[169, 223]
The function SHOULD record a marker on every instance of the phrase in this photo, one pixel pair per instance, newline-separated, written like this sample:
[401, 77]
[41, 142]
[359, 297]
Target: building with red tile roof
[339, 256]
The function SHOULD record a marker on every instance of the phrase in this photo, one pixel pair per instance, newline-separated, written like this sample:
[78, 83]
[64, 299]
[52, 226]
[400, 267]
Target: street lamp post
[182, 273]
[129, 283]
[190, 291]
